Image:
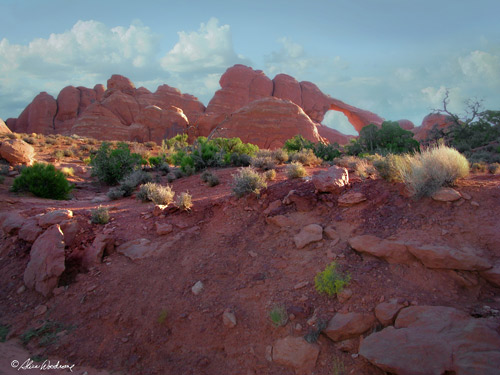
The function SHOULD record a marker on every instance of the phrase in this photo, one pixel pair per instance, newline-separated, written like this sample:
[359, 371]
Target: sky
[395, 58]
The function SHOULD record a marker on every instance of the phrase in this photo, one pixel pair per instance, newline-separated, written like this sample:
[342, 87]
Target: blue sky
[392, 57]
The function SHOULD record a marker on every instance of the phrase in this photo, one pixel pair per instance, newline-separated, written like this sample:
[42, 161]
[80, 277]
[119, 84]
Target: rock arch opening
[337, 120]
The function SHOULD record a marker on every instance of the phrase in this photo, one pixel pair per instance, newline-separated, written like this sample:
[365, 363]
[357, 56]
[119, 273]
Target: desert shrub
[150, 144]
[174, 144]
[158, 194]
[171, 177]
[68, 171]
[494, 168]
[305, 157]
[347, 161]
[111, 165]
[390, 167]
[479, 167]
[43, 180]
[365, 169]
[280, 156]
[130, 182]
[184, 201]
[30, 140]
[210, 178]
[327, 152]
[115, 193]
[155, 161]
[239, 160]
[295, 170]
[68, 153]
[297, 143]
[264, 163]
[433, 168]
[58, 154]
[270, 175]
[278, 315]
[246, 181]
[331, 281]
[13, 135]
[99, 215]
[85, 147]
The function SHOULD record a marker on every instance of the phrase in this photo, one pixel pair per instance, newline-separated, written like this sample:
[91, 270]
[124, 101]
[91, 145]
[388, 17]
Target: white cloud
[209, 49]
[481, 65]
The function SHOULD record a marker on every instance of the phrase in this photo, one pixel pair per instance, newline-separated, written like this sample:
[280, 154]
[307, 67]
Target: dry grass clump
[433, 168]
[184, 201]
[99, 215]
[365, 169]
[210, 178]
[158, 194]
[264, 163]
[494, 168]
[248, 180]
[390, 167]
[270, 175]
[349, 162]
[305, 157]
[295, 170]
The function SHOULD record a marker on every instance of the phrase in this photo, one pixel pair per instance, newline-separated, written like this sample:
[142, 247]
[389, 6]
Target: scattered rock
[344, 295]
[344, 326]
[94, 254]
[349, 345]
[351, 198]
[435, 340]
[162, 229]
[310, 233]
[474, 203]
[281, 221]
[466, 196]
[228, 318]
[11, 222]
[492, 275]
[301, 285]
[197, 288]
[332, 180]
[70, 229]
[158, 210]
[297, 353]
[46, 261]
[386, 312]
[137, 249]
[40, 310]
[272, 206]
[30, 231]
[21, 289]
[332, 234]
[16, 151]
[446, 195]
[391, 251]
[434, 256]
[54, 217]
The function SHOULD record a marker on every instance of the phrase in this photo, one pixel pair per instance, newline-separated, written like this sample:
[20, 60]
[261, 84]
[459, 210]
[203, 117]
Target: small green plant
[158, 194]
[295, 170]
[184, 201]
[46, 334]
[246, 181]
[278, 315]
[4, 331]
[270, 175]
[162, 316]
[331, 281]
[44, 181]
[99, 215]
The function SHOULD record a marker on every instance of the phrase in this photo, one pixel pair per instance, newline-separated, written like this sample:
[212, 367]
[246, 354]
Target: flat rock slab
[54, 217]
[349, 325]
[297, 353]
[351, 198]
[436, 256]
[137, 249]
[434, 340]
[446, 195]
[391, 251]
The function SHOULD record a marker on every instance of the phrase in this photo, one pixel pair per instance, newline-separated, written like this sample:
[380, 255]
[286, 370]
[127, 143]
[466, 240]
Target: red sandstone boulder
[121, 83]
[68, 102]
[3, 127]
[333, 180]
[349, 325]
[428, 340]
[123, 106]
[16, 151]
[99, 122]
[296, 353]
[288, 88]
[269, 122]
[434, 119]
[46, 261]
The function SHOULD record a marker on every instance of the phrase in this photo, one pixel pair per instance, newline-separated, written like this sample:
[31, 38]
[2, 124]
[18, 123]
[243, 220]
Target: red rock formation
[68, 102]
[269, 122]
[287, 87]
[159, 124]
[332, 135]
[441, 121]
[38, 117]
[121, 83]
[359, 118]
[99, 122]
[406, 124]
[123, 106]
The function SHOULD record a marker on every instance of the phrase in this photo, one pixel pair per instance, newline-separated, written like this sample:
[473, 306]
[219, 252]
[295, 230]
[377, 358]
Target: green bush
[305, 157]
[327, 152]
[297, 143]
[246, 181]
[331, 281]
[158, 194]
[295, 170]
[99, 215]
[112, 165]
[427, 172]
[43, 180]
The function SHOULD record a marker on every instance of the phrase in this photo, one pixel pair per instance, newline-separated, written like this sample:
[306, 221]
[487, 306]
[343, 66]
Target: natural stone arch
[339, 121]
